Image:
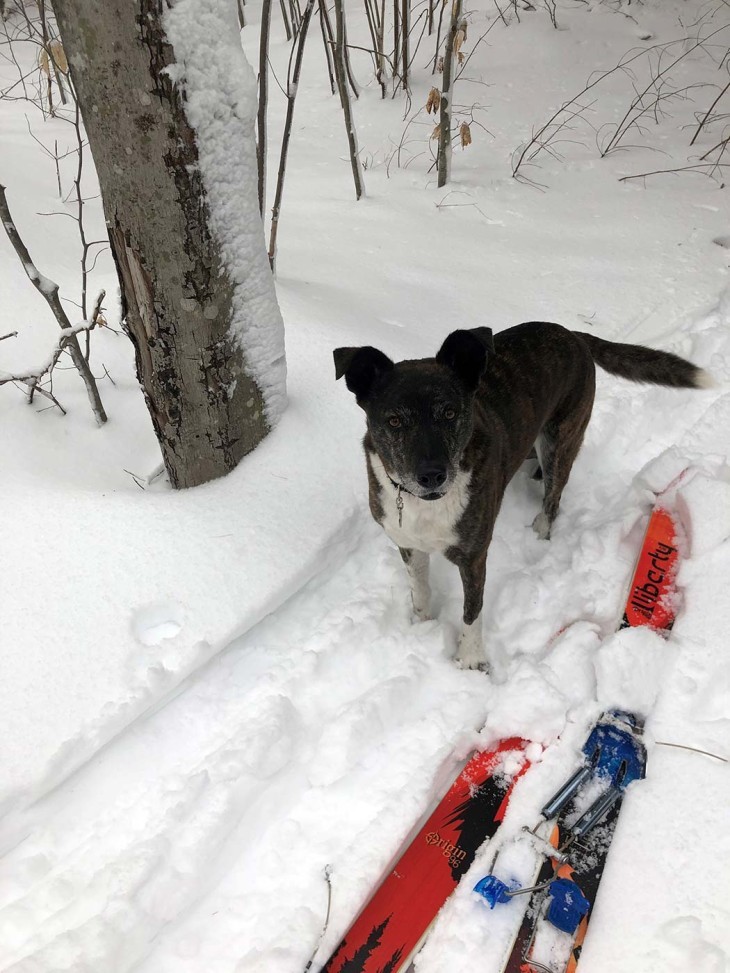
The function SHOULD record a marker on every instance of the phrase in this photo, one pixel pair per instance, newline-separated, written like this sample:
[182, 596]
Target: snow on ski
[573, 838]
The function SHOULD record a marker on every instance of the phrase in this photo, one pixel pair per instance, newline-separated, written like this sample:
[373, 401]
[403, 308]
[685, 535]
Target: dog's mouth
[432, 496]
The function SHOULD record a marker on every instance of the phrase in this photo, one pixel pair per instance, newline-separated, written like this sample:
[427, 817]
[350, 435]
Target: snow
[208, 697]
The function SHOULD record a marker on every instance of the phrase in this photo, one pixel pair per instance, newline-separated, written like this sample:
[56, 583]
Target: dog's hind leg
[416, 563]
[560, 441]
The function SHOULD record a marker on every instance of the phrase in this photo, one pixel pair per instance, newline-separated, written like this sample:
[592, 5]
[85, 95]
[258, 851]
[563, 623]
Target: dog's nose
[431, 476]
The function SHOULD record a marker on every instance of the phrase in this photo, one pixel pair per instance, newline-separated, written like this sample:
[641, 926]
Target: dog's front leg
[416, 563]
[471, 653]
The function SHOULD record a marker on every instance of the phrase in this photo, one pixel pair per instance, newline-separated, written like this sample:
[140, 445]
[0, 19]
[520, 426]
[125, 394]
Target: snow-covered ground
[207, 697]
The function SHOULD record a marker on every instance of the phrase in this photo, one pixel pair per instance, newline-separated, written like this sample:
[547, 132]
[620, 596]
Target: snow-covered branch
[49, 290]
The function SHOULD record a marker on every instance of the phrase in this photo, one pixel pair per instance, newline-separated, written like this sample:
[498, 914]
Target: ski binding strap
[567, 905]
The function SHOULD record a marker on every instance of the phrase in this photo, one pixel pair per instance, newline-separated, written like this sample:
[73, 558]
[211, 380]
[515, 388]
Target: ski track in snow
[178, 815]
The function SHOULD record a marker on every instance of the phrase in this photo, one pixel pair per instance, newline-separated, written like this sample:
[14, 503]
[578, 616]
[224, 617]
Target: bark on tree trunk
[345, 99]
[177, 294]
[444, 153]
[261, 143]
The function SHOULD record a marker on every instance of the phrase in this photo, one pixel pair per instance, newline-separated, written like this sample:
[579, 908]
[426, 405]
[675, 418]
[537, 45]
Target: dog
[445, 435]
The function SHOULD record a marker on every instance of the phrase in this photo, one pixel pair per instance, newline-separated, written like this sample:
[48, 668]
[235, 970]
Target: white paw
[468, 660]
[541, 526]
[471, 654]
[421, 601]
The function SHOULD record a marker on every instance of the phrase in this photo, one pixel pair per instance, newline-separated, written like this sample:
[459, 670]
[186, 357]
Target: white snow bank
[169, 567]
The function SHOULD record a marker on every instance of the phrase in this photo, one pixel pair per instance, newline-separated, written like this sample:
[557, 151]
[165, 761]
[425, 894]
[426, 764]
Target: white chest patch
[426, 525]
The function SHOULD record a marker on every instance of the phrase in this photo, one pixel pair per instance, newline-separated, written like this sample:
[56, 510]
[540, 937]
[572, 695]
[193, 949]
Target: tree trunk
[405, 33]
[261, 137]
[345, 99]
[189, 307]
[444, 153]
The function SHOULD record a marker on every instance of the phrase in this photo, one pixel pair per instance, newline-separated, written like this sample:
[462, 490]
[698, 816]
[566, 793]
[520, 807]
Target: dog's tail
[640, 364]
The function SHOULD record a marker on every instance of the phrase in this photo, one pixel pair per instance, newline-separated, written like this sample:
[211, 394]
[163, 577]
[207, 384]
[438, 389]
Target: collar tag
[399, 506]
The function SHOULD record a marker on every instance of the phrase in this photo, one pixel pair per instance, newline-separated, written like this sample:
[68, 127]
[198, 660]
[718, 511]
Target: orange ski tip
[650, 601]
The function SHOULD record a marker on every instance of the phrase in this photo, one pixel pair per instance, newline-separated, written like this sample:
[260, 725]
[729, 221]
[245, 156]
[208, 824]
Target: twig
[32, 382]
[328, 40]
[328, 879]
[627, 121]
[707, 169]
[683, 746]
[263, 100]
[33, 378]
[291, 94]
[285, 18]
[623, 65]
[49, 290]
[107, 375]
[339, 58]
[137, 479]
[708, 113]
[438, 37]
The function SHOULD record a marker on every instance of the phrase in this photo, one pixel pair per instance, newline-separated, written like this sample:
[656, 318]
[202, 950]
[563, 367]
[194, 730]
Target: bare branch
[291, 94]
[708, 113]
[49, 290]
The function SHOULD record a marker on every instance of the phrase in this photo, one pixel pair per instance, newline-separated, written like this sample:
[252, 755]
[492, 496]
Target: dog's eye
[394, 421]
[450, 414]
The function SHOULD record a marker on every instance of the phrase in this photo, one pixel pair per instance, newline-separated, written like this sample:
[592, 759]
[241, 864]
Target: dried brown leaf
[59, 56]
[436, 132]
[465, 134]
[434, 101]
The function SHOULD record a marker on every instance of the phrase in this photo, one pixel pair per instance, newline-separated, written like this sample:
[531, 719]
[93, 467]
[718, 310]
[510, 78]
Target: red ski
[389, 929]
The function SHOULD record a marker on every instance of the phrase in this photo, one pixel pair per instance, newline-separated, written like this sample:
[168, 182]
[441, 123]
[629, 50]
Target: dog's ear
[465, 352]
[361, 368]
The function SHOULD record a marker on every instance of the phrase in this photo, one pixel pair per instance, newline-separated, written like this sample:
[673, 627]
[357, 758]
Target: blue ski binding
[494, 890]
[613, 754]
[567, 905]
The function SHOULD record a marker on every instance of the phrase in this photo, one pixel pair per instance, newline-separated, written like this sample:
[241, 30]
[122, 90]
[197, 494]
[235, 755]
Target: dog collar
[398, 486]
[398, 498]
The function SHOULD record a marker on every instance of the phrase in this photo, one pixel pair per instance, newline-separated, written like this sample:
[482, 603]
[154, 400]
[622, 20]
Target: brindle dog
[445, 435]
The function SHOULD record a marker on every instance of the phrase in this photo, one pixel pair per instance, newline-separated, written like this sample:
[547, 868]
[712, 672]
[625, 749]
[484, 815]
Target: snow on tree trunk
[169, 104]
